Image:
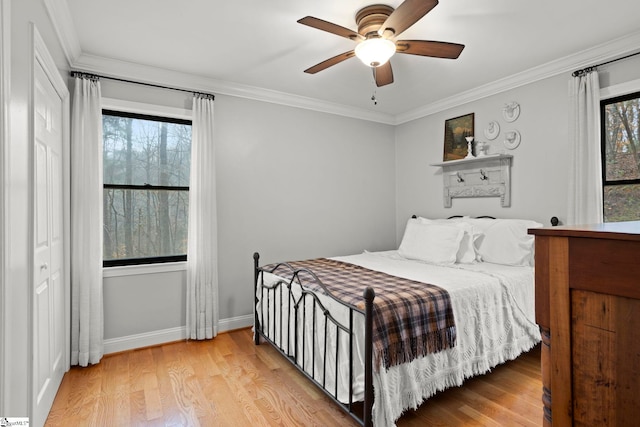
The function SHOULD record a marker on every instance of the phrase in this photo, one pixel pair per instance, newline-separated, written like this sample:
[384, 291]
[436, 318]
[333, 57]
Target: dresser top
[628, 230]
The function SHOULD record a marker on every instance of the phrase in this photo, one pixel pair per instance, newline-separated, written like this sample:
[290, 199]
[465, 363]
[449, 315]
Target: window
[621, 157]
[146, 161]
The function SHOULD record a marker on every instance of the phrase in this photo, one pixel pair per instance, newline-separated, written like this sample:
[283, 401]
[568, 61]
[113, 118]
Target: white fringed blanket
[493, 307]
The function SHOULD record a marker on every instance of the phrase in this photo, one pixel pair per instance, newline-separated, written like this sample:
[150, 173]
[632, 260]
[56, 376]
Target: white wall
[292, 184]
[5, 48]
[296, 184]
[144, 303]
[619, 73]
[539, 171]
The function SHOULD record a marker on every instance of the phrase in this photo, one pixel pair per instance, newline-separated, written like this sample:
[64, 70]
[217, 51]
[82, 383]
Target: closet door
[49, 304]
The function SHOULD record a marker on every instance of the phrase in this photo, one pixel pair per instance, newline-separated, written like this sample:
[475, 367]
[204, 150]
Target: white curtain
[585, 168]
[202, 254]
[87, 320]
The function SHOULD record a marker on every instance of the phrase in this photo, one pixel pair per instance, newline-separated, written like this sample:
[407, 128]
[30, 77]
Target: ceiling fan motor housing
[369, 19]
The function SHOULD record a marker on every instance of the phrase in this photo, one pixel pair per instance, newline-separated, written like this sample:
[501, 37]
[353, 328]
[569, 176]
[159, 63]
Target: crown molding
[60, 16]
[132, 71]
[599, 53]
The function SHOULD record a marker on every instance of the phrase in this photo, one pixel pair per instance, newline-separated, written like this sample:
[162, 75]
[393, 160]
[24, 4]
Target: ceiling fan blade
[330, 62]
[407, 14]
[429, 48]
[383, 74]
[330, 27]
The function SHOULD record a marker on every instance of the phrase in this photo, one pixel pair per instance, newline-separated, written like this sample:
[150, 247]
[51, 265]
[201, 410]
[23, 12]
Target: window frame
[603, 135]
[142, 111]
[611, 95]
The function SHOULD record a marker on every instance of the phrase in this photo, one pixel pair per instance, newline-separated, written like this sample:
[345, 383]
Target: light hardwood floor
[231, 382]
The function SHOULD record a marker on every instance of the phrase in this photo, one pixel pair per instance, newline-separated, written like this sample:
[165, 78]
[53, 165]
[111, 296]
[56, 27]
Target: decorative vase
[469, 147]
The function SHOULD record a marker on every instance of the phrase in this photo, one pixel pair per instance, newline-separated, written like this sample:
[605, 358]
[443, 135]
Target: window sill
[132, 270]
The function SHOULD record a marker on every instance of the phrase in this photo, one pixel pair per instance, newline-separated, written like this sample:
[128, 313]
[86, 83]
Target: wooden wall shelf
[483, 176]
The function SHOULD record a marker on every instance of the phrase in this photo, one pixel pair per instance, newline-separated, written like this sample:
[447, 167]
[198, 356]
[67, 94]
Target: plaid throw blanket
[411, 319]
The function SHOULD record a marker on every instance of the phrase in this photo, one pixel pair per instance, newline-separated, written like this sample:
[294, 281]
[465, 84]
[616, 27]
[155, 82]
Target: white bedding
[493, 307]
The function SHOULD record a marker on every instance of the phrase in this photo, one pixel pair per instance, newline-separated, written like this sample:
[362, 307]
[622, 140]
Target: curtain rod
[593, 67]
[97, 76]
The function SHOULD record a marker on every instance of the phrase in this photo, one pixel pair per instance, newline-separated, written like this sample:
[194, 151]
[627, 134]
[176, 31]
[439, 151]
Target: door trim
[5, 76]
[41, 55]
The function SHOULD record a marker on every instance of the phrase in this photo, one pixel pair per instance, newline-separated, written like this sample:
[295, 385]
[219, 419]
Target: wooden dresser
[588, 308]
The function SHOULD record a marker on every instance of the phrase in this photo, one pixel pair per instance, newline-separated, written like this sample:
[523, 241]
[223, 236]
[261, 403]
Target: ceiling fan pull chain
[373, 95]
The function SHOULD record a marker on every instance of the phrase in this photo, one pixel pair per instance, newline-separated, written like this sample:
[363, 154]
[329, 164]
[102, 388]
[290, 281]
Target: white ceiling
[258, 44]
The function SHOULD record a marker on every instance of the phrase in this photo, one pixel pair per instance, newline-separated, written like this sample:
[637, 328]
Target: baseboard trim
[232, 323]
[131, 342]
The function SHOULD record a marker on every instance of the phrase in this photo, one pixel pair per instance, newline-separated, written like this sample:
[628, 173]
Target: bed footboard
[282, 319]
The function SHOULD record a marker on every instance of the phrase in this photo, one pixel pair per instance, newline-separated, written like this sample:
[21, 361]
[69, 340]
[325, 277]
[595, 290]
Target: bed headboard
[554, 219]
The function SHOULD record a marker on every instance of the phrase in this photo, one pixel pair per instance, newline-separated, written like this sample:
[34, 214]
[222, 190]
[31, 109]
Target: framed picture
[455, 131]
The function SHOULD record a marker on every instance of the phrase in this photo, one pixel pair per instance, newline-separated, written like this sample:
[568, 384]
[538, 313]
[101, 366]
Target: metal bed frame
[360, 412]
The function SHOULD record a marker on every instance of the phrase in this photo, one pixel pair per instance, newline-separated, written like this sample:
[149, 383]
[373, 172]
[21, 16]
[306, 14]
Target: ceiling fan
[378, 27]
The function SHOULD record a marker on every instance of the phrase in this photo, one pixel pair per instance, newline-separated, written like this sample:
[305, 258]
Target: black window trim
[144, 187]
[140, 116]
[121, 262]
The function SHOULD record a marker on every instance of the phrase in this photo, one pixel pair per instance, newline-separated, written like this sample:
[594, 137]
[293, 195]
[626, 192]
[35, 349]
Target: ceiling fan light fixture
[375, 51]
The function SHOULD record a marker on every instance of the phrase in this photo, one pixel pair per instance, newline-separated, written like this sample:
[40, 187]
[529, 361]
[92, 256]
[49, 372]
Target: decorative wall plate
[511, 111]
[512, 139]
[492, 130]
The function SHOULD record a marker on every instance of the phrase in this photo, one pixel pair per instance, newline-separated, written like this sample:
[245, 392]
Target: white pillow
[505, 241]
[433, 243]
[466, 252]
